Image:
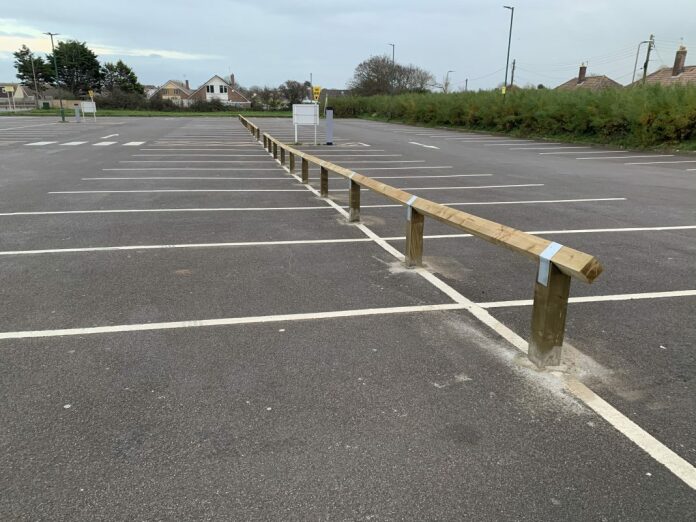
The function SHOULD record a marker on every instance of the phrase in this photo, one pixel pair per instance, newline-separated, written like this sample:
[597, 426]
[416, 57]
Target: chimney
[187, 85]
[582, 74]
[232, 80]
[679, 61]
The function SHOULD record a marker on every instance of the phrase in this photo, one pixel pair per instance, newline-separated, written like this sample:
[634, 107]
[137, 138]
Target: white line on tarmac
[234, 209]
[103, 143]
[133, 143]
[472, 187]
[155, 210]
[192, 161]
[423, 145]
[433, 176]
[170, 190]
[418, 167]
[187, 178]
[596, 298]
[245, 169]
[179, 149]
[229, 321]
[40, 143]
[27, 126]
[109, 136]
[508, 144]
[72, 143]
[184, 245]
[549, 148]
[587, 152]
[660, 162]
[629, 157]
[200, 155]
[661, 453]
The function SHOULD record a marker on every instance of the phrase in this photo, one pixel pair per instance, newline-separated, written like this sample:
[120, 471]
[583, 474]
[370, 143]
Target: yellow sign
[9, 88]
[503, 89]
[90, 93]
[316, 91]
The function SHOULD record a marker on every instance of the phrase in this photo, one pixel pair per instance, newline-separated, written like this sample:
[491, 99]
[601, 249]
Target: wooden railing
[557, 264]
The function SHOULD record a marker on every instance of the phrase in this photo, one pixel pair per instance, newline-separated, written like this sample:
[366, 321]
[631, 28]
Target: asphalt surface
[425, 415]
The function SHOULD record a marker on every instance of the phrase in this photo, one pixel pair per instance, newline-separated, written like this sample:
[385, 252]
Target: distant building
[216, 88]
[590, 83]
[678, 74]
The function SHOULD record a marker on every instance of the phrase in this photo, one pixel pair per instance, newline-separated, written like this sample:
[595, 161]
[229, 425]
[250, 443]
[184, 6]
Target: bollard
[77, 113]
[414, 237]
[305, 171]
[324, 183]
[354, 202]
[551, 291]
[329, 125]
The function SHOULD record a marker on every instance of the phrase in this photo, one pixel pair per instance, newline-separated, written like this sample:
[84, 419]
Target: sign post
[305, 114]
[89, 106]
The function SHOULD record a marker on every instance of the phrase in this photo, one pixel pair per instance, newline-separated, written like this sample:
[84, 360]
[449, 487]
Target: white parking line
[157, 210]
[109, 136]
[660, 162]
[433, 176]
[406, 168]
[473, 187]
[193, 169]
[40, 143]
[103, 143]
[549, 148]
[73, 143]
[133, 143]
[284, 179]
[423, 145]
[508, 144]
[170, 190]
[229, 321]
[596, 298]
[587, 152]
[629, 157]
[527, 202]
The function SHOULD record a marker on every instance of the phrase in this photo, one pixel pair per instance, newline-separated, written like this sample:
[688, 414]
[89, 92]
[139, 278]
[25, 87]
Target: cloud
[108, 50]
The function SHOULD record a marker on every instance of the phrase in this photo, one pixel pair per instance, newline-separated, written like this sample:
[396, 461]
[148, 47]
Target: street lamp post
[55, 66]
[393, 74]
[36, 85]
[446, 89]
[507, 62]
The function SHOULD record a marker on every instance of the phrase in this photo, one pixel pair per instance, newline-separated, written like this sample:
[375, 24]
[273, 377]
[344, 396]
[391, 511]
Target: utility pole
[36, 85]
[445, 87]
[635, 65]
[393, 71]
[512, 77]
[55, 66]
[651, 44]
[466, 84]
[507, 62]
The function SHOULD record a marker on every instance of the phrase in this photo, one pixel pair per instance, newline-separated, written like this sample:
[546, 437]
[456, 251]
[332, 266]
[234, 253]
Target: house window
[210, 89]
[223, 89]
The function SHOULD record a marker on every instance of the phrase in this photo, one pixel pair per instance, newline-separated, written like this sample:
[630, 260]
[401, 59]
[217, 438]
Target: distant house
[590, 83]
[217, 88]
[678, 74]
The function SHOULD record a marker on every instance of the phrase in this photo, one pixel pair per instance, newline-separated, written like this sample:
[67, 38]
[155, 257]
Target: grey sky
[270, 41]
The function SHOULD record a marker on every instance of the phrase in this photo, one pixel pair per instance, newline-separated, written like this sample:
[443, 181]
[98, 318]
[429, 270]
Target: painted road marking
[596, 298]
[229, 321]
[103, 143]
[170, 190]
[660, 162]
[235, 209]
[40, 143]
[548, 148]
[200, 155]
[628, 157]
[433, 176]
[109, 136]
[406, 168]
[73, 143]
[186, 177]
[588, 152]
[423, 145]
[27, 126]
[133, 143]
[192, 168]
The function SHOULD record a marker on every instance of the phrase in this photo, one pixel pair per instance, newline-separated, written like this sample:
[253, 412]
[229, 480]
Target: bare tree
[378, 75]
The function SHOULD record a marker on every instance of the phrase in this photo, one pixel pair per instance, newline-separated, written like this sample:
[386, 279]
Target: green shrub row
[643, 117]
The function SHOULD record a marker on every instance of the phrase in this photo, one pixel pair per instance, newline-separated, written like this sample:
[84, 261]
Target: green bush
[644, 117]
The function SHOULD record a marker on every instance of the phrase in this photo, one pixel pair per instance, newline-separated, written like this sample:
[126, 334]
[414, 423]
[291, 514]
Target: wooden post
[354, 202]
[265, 145]
[292, 163]
[275, 150]
[258, 133]
[282, 155]
[305, 171]
[548, 318]
[414, 237]
[324, 183]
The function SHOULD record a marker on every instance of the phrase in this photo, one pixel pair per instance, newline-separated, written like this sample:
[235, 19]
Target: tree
[378, 75]
[30, 67]
[118, 76]
[294, 91]
[78, 67]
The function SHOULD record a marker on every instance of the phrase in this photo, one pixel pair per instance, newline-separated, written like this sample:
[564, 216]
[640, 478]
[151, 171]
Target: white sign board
[305, 114]
[88, 106]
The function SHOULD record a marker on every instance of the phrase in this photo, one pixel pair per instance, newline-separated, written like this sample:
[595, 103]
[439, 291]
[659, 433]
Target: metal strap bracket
[545, 262]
